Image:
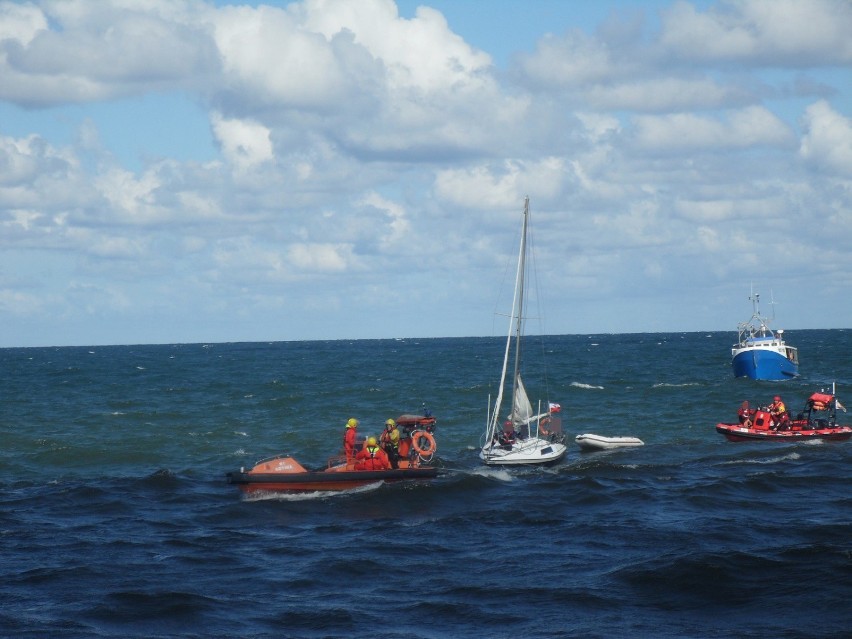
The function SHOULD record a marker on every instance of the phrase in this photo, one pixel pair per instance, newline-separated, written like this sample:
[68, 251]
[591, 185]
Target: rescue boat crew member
[390, 442]
[349, 438]
[371, 457]
[744, 415]
[779, 413]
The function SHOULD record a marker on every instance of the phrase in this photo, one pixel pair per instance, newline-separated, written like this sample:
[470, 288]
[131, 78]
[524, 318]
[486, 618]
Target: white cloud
[827, 141]
[398, 226]
[244, 143]
[357, 156]
[20, 22]
[130, 199]
[753, 126]
[667, 94]
[24, 160]
[106, 246]
[22, 304]
[269, 58]
[576, 59]
[490, 188]
[767, 32]
[421, 53]
[328, 258]
[120, 49]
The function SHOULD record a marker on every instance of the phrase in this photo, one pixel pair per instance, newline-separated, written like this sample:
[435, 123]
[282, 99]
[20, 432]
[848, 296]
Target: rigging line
[539, 314]
[508, 269]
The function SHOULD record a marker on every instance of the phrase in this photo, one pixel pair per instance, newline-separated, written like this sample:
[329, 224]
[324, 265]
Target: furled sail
[522, 411]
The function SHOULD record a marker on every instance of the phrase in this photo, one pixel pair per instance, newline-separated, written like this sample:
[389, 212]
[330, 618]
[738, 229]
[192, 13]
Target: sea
[116, 519]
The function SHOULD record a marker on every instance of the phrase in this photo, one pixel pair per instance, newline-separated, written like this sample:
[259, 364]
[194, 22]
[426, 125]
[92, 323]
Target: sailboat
[527, 436]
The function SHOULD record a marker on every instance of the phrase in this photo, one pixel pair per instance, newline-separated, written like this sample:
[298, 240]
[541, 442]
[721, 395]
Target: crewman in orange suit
[349, 438]
[372, 457]
[779, 414]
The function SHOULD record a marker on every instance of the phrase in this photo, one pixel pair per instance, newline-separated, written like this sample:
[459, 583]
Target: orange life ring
[417, 439]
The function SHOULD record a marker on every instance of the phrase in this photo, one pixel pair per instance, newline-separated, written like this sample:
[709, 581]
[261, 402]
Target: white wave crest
[500, 474]
[667, 385]
[768, 460]
[307, 496]
[586, 386]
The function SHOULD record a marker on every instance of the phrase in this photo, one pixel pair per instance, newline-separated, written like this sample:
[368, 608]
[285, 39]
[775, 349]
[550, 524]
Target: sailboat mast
[520, 301]
[494, 419]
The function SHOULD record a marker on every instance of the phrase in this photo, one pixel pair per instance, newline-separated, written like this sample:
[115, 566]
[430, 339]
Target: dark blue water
[116, 521]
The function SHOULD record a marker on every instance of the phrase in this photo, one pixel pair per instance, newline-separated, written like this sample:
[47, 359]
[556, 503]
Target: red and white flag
[555, 408]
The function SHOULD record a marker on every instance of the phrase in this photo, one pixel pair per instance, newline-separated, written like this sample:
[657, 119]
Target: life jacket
[390, 438]
[371, 458]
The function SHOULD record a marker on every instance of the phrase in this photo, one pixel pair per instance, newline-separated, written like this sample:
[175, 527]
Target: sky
[185, 171]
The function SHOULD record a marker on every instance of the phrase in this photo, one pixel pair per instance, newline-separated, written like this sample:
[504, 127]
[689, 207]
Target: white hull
[528, 451]
[588, 441]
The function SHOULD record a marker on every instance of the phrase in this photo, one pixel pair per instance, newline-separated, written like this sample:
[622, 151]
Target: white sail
[522, 411]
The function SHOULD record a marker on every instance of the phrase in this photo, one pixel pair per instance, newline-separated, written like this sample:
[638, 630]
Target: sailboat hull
[528, 451]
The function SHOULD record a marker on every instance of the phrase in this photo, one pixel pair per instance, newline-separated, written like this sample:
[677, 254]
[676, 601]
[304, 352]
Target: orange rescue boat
[282, 473]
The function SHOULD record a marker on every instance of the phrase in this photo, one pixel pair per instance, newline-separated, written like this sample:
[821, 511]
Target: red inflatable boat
[818, 420]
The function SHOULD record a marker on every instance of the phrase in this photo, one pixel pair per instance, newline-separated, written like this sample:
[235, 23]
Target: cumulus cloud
[356, 155]
[753, 126]
[761, 32]
[120, 49]
[320, 257]
[489, 187]
[827, 142]
[244, 143]
[20, 22]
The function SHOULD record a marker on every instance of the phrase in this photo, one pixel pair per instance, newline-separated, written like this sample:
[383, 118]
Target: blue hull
[763, 364]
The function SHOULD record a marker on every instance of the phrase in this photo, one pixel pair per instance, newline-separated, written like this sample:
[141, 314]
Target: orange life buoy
[423, 444]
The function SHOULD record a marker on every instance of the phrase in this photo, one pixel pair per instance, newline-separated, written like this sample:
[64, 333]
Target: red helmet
[778, 398]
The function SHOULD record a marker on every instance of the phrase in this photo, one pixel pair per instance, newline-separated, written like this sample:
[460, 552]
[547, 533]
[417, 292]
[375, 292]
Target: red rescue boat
[282, 473]
[818, 420]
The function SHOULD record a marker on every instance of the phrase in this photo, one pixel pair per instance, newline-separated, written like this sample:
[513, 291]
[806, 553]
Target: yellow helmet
[390, 422]
[352, 423]
[371, 441]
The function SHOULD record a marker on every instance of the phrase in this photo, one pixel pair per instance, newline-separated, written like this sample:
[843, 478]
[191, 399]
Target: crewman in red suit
[372, 457]
[349, 438]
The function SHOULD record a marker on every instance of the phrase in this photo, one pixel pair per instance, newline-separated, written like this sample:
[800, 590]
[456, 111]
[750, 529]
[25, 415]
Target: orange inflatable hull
[285, 474]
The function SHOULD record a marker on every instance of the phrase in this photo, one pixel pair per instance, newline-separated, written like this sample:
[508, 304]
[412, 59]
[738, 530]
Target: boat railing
[336, 460]
[269, 459]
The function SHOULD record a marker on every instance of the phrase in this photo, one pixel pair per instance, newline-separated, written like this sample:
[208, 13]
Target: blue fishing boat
[760, 352]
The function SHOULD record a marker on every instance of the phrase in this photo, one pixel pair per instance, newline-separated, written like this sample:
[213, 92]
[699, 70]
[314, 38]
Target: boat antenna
[754, 298]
